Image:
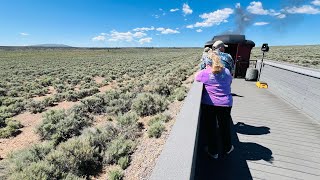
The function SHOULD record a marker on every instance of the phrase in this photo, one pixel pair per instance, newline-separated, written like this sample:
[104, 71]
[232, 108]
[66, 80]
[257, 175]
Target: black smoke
[244, 19]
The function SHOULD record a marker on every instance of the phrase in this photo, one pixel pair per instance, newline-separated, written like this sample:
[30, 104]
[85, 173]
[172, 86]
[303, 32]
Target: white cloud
[139, 34]
[145, 40]
[257, 8]
[186, 9]
[316, 2]
[125, 36]
[24, 34]
[167, 31]
[199, 30]
[305, 9]
[144, 29]
[120, 36]
[156, 16]
[281, 16]
[260, 23]
[99, 38]
[174, 10]
[214, 18]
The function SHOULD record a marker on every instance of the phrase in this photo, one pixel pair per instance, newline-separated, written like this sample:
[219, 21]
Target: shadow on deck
[233, 166]
[272, 138]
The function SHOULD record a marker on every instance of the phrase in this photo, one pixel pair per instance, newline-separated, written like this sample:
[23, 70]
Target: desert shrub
[100, 137]
[87, 92]
[3, 91]
[106, 82]
[116, 174]
[11, 128]
[46, 81]
[119, 147]
[76, 156]
[128, 125]
[148, 104]
[48, 101]
[14, 93]
[87, 79]
[38, 170]
[9, 101]
[127, 119]
[74, 81]
[173, 81]
[164, 117]
[71, 176]
[89, 85]
[40, 92]
[156, 129]
[160, 86]
[71, 96]
[16, 108]
[94, 104]
[315, 62]
[181, 93]
[116, 106]
[59, 126]
[124, 162]
[35, 106]
[4, 115]
[58, 97]
[21, 159]
[60, 87]
[2, 99]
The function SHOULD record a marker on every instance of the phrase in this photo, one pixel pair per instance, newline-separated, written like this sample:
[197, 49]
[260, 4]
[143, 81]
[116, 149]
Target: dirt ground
[144, 158]
[27, 135]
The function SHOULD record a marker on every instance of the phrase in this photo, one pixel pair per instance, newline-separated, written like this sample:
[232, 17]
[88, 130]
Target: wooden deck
[273, 140]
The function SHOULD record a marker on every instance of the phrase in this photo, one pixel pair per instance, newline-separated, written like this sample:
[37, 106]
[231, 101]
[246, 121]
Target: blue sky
[162, 23]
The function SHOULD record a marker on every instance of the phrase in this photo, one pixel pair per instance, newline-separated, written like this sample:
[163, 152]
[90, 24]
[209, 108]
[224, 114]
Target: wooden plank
[269, 169]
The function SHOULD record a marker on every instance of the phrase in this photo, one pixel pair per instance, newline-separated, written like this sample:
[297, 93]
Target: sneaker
[231, 149]
[214, 156]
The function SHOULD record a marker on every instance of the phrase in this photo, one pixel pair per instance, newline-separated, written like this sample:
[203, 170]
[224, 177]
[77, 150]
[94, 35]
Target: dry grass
[307, 56]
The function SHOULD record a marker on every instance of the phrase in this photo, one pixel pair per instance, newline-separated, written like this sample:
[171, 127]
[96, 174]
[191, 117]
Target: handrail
[296, 69]
[178, 158]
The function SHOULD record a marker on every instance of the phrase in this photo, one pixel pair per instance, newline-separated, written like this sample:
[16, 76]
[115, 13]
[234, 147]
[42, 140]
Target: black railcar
[239, 48]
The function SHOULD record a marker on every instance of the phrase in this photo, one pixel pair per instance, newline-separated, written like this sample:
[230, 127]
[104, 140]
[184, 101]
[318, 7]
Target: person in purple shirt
[216, 103]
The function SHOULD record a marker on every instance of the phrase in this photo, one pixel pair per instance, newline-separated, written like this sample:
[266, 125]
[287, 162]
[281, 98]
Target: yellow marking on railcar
[260, 84]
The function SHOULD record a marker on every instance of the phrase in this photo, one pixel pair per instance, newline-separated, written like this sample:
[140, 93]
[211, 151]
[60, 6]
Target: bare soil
[30, 121]
[27, 137]
[98, 79]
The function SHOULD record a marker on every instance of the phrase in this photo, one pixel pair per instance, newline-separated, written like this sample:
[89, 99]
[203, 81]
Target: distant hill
[51, 45]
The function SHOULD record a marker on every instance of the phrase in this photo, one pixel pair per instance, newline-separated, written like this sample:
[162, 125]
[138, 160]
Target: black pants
[211, 115]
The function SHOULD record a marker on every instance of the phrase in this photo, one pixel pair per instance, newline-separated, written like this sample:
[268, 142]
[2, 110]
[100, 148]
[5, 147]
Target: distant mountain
[51, 45]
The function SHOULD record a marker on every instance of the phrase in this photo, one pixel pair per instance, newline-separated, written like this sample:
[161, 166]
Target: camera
[265, 47]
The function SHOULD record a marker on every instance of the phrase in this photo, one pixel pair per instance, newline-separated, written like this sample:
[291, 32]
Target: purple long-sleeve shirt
[217, 87]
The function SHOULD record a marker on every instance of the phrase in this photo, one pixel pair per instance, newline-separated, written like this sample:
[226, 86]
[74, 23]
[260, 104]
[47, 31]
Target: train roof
[231, 39]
